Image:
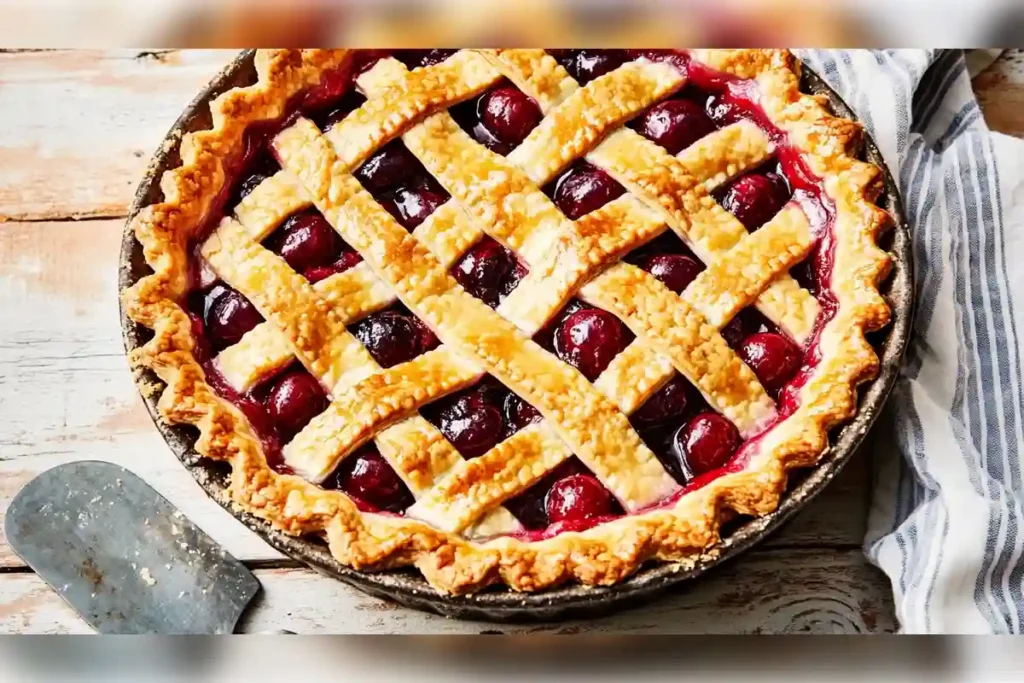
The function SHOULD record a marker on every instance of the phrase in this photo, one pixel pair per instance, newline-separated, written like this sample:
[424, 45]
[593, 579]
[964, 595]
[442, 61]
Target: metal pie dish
[407, 587]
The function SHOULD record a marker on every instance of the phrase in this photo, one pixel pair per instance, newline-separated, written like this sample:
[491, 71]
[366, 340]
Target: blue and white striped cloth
[947, 520]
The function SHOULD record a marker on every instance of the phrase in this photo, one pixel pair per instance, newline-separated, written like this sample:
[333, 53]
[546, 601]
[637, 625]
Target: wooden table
[77, 130]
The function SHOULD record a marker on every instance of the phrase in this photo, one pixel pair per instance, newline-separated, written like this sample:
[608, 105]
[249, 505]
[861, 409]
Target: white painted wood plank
[769, 592]
[77, 128]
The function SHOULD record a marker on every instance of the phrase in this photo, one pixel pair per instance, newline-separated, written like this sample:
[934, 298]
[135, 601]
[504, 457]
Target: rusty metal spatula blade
[122, 556]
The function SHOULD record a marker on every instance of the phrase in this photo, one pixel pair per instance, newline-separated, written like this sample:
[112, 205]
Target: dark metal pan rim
[407, 587]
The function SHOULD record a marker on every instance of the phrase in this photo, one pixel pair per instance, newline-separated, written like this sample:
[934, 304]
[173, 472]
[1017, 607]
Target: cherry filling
[589, 338]
[411, 205]
[749, 321]
[755, 198]
[518, 414]
[705, 443]
[586, 65]
[584, 188]
[345, 260]
[773, 358]
[694, 443]
[489, 271]
[676, 271]
[567, 498]
[391, 166]
[293, 400]
[674, 124]
[473, 420]
[305, 241]
[500, 119]
[667, 405]
[415, 59]
[508, 114]
[331, 115]
[400, 183]
[228, 316]
[369, 480]
[394, 336]
[576, 498]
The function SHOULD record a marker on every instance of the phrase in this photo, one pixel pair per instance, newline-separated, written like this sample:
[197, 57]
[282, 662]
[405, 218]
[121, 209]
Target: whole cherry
[391, 337]
[674, 124]
[706, 442]
[229, 316]
[294, 399]
[589, 339]
[772, 357]
[585, 188]
[305, 241]
[755, 198]
[576, 498]
[488, 271]
[509, 114]
[676, 271]
[472, 425]
[367, 476]
[391, 166]
[411, 205]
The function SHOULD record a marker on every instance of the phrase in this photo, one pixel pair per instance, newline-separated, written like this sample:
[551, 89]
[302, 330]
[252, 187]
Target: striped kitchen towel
[947, 520]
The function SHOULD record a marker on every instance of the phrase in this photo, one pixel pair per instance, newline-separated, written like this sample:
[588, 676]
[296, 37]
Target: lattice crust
[597, 432]
[457, 532]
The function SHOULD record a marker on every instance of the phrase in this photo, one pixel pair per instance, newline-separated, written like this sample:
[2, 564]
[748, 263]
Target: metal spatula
[122, 556]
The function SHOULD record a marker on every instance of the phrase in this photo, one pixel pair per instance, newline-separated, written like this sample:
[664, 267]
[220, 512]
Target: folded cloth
[947, 519]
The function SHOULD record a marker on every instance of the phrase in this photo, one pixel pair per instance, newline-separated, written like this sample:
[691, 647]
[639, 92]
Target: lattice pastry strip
[677, 330]
[410, 95]
[269, 203]
[712, 160]
[485, 482]
[264, 350]
[285, 298]
[633, 375]
[593, 428]
[422, 457]
[758, 259]
[509, 206]
[366, 408]
[652, 227]
[664, 184]
[586, 116]
[508, 203]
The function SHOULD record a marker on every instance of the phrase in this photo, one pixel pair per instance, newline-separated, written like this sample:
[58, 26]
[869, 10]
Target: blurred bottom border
[453, 659]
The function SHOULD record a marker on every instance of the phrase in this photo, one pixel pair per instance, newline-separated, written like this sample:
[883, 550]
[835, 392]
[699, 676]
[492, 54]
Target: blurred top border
[500, 23]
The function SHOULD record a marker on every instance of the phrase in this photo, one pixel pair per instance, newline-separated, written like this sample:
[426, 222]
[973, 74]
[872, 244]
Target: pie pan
[500, 604]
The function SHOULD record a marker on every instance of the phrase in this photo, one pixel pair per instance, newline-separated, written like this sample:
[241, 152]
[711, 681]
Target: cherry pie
[513, 316]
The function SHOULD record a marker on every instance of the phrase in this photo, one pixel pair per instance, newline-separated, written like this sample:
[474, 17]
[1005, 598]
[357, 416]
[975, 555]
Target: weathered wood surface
[79, 127]
[76, 130]
[778, 591]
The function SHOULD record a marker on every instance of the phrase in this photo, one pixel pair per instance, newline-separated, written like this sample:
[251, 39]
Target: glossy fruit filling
[694, 443]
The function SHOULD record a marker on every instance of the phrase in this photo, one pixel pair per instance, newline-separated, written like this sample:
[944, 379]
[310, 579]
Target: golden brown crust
[456, 498]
